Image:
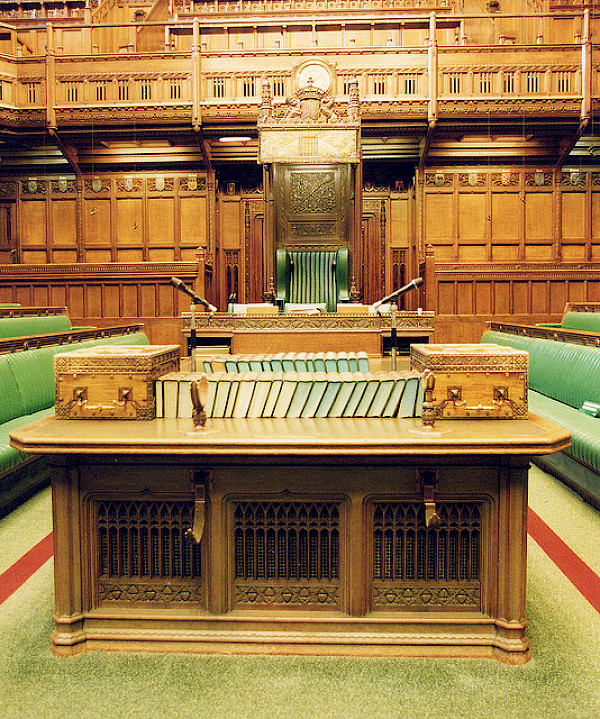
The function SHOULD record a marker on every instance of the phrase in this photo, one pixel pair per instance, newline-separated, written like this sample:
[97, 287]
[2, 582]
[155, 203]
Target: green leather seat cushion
[585, 430]
[9, 456]
[33, 325]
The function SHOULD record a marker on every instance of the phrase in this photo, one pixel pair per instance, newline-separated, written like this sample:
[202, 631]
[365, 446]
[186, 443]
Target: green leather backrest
[33, 370]
[313, 277]
[565, 371]
[11, 404]
[34, 325]
[586, 321]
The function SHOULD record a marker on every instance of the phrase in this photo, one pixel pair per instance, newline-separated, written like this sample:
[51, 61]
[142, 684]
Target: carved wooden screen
[143, 554]
[6, 232]
[286, 554]
[312, 206]
[419, 568]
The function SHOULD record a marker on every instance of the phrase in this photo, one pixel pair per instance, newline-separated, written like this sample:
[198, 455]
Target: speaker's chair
[312, 277]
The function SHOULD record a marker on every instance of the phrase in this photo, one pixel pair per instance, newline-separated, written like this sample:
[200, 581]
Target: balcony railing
[188, 73]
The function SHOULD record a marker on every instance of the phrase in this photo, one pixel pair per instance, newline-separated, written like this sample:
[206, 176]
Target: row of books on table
[290, 362]
[294, 394]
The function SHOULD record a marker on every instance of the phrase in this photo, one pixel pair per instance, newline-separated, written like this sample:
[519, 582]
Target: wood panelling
[229, 223]
[123, 218]
[32, 223]
[472, 218]
[538, 217]
[104, 295]
[466, 297]
[161, 222]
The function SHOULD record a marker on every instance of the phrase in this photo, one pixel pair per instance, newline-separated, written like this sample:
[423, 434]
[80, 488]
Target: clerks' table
[307, 536]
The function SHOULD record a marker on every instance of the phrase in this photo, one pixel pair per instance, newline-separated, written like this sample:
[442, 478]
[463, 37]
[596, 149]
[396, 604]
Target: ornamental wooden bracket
[427, 481]
[200, 481]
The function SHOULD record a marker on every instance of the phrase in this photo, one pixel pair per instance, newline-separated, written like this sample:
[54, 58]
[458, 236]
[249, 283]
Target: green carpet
[562, 681]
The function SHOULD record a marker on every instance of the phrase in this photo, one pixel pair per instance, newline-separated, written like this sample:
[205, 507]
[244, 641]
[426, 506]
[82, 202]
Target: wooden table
[313, 534]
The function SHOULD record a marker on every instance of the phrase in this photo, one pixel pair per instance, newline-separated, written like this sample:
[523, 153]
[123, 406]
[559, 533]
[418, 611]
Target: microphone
[413, 284]
[197, 300]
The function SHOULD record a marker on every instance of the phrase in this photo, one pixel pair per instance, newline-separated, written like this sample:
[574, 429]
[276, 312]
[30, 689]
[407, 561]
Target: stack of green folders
[294, 394]
[291, 362]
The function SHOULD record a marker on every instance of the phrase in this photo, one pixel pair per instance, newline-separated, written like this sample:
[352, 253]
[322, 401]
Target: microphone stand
[193, 328]
[394, 336]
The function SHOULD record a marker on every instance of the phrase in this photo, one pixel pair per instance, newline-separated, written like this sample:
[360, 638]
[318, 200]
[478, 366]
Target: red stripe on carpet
[23, 568]
[575, 569]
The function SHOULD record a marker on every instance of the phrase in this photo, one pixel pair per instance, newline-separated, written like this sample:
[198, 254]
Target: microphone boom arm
[413, 284]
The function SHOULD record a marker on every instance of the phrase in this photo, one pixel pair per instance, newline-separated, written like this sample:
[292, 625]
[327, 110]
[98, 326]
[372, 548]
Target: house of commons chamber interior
[300, 358]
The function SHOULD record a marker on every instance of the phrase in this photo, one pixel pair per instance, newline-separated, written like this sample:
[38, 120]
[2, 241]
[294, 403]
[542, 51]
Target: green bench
[564, 387]
[580, 321]
[27, 391]
[33, 325]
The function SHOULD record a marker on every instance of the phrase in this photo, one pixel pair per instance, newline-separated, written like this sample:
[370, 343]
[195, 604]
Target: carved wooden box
[474, 381]
[111, 382]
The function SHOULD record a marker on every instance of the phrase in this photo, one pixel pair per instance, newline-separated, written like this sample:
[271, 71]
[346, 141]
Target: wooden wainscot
[474, 381]
[111, 382]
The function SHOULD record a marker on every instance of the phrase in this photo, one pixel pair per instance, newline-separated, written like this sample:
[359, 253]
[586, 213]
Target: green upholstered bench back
[564, 371]
[11, 403]
[33, 325]
[32, 372]
[585, 321]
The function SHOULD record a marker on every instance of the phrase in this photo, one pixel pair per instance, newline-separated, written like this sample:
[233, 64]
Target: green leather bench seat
[33, 325]
[27, 389]
[562, 376]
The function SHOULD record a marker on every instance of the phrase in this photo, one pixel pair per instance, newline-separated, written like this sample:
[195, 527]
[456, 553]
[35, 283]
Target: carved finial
[199, 394]
[266, 105]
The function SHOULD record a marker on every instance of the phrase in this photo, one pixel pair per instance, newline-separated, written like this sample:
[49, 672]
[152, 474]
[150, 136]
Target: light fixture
[235, 138]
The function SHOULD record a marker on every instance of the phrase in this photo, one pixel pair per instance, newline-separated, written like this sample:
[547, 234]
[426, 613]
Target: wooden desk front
[314, 537]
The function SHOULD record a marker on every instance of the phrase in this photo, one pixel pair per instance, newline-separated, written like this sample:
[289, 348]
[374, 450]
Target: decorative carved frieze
[192, 183]
[160, 183]
[574, 178]
[329, 321]
[506, 178]
[292, 595]
[33, 186]
[96, 186]
[439, 179]
[130, 184]
[63, 186]
[168, 592]
[472, 179]
[423, 595]
[8, 189]
[539, 178]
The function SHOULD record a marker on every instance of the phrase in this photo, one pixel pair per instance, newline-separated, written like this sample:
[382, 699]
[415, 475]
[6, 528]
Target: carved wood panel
[312, 206]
